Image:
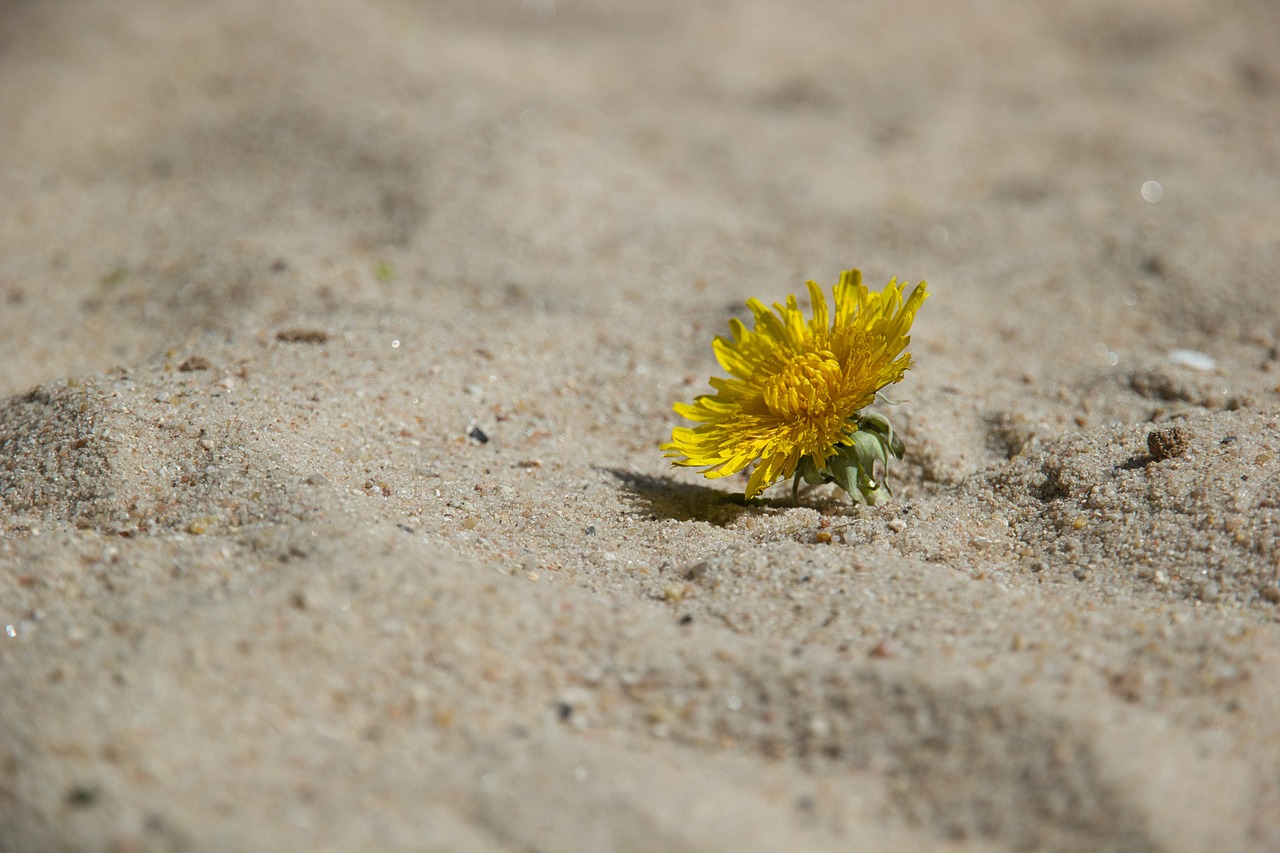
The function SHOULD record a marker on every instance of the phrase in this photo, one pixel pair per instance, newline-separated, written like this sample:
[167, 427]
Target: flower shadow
[664, 497]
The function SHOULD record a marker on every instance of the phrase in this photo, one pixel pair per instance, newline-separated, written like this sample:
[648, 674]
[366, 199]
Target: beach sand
[337, 340]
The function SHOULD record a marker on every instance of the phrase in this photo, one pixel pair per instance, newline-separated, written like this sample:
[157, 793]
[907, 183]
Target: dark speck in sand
[82, 796]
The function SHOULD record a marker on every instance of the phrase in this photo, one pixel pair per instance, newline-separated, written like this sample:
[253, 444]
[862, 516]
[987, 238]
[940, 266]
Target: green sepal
[852, 466]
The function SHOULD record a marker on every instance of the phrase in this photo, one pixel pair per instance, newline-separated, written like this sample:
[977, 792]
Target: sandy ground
[269, 272]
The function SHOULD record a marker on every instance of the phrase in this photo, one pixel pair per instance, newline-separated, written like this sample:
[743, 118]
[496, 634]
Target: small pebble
[194, 362]
[1209, 590]
[698, 570]
[885, 648]
[1167, 443]
[200, 526]
[674, 592]
[302, 336]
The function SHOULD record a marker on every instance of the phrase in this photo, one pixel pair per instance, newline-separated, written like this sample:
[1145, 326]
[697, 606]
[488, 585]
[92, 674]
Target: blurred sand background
[269, 271]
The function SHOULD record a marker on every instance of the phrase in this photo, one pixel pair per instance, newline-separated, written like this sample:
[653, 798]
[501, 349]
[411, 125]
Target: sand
[337, 341]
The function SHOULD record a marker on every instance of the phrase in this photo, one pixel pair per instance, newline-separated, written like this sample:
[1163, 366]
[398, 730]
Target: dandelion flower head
[796, 385]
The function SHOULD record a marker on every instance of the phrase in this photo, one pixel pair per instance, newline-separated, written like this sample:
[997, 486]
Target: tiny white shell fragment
[1194, 359]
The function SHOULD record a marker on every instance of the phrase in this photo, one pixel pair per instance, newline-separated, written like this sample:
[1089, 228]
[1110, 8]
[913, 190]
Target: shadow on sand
[665, 497]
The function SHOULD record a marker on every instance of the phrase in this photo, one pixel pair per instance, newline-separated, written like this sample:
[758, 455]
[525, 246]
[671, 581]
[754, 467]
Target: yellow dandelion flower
[792, 401]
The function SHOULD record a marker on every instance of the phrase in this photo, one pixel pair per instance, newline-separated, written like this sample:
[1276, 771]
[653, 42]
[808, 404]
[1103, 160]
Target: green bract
[852, 466]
